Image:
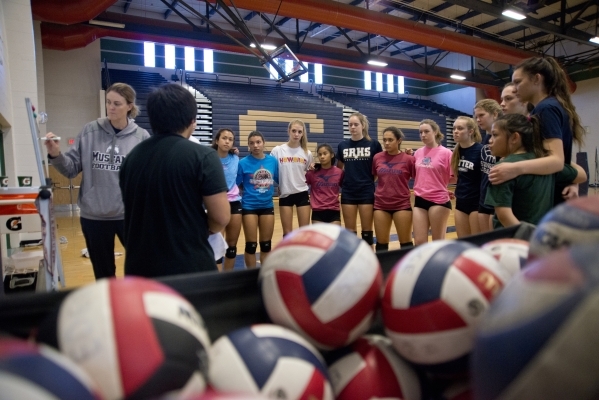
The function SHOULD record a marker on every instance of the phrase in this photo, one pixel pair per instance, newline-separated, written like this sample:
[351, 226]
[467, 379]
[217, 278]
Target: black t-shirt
[555, 124]
[487, 161]
[357, 155]
[469, 173]
[163, 181]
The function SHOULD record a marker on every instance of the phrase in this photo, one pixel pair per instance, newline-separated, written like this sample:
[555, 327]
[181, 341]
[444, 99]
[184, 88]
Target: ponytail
[555, 83]
[529, 129]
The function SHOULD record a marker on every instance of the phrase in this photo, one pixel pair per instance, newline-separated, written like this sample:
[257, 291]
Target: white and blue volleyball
[434, 299]
[570, 223]
[324, 283]
[540, 339]
[269, 360]
[30, 371]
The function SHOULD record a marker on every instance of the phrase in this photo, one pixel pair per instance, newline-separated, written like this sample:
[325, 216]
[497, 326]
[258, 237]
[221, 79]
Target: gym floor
[78, 270]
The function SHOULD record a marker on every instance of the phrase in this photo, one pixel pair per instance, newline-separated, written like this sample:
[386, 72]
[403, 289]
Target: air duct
[68, 12]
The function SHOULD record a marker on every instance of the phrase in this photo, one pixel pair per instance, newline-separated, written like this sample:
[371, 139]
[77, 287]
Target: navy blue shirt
[357, 155]
[469, 173]
[487, 161]
[555, 124]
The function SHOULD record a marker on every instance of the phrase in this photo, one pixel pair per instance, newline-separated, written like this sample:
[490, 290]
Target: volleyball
[511, 253]
[324, 283]
[573, 222]
[435, 297]
[270, 360]
[370, 369]
[135, 337]
[539, 339]
[30, 371]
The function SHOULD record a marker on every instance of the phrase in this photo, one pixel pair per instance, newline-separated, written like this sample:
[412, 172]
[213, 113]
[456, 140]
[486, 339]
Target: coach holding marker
[164, 183]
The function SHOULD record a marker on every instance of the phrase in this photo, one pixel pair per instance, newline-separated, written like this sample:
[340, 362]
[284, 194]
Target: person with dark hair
[465, 163]
[543, 83]
[325, 181]
[223, 144]
[393, 170]
[256, 175]
[164, 182]
[527, 197]
[486, 111]
[97, 154]
[354, 157]
[432, 204]
[510, 103]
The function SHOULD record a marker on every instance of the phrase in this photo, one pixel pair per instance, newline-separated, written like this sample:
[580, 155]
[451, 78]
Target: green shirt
[529, 196]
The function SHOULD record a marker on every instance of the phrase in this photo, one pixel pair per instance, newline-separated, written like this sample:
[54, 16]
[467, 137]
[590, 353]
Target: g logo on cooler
[14, 224]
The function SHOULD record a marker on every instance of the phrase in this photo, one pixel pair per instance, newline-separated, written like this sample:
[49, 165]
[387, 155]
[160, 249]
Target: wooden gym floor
[78, 269]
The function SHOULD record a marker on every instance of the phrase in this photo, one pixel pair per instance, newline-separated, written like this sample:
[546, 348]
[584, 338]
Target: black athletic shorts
[326, 215]
[466, 206]
[355, 202]
[235, 207]
[300, 199]
[486, 210]
[425, 204]
[259, 211]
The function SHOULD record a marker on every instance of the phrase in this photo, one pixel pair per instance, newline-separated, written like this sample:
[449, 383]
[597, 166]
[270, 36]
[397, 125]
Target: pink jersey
[324, 188]
[433, 172]
[394, 173]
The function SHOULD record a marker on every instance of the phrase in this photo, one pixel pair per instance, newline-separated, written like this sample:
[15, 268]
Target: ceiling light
[377, 63]
[252, 44]
[268, 46]
[458, 77]
[106, 23]
[594, 40]
[513, 14]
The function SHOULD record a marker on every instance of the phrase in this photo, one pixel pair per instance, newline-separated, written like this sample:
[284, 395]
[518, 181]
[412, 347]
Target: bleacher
[383, 112]
[269, 109]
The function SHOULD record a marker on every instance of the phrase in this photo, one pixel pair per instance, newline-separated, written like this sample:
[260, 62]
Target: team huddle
[515, 173]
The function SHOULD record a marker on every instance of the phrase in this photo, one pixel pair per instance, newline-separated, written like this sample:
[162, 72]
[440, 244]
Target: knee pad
[231, 252]
[265, 246]
[381, 247]
[406, 245]
[367, 236]
[250, 247]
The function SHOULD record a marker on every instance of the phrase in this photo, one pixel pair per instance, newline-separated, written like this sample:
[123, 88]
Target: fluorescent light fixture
[513, 14]
[377, 63]
[253, 45]
[458, 77]
[268, 46]
[594, 40]
[106, 23]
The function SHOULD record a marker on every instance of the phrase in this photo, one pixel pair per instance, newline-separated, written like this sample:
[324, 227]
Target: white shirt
[293, 164]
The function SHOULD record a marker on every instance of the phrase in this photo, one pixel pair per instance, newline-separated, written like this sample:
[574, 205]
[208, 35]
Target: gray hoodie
[99, 153]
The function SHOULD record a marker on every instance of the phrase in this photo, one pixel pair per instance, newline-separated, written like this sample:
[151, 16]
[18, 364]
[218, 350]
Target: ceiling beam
[281, 22]
[168, 10]
[126, 6]
[490, 9]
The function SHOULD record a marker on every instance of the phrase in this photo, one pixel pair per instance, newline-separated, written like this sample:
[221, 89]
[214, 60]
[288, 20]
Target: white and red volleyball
[324, 283]
[570, 223]
[369, 368]
[269, 360]
[136, 337]
[435, 297]
[512, 254]
[30, 371]
[540, 338]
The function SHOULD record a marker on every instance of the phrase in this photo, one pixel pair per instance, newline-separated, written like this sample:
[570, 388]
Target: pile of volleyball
[510, 319]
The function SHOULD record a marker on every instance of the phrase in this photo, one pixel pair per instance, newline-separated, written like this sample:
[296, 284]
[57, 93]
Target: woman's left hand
[570, 191]
[503, 172]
